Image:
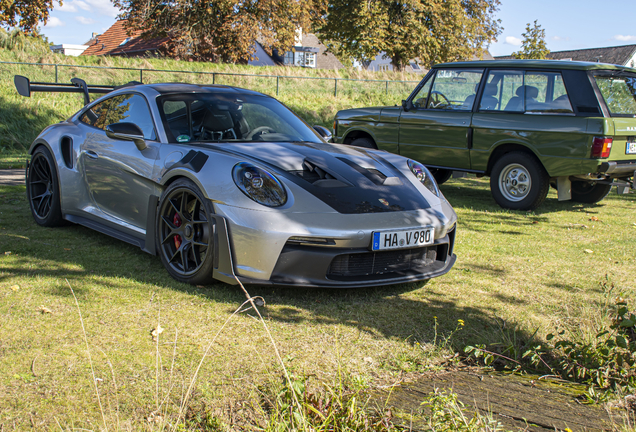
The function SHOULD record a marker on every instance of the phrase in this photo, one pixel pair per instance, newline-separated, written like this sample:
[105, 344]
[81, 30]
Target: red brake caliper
[176, 220]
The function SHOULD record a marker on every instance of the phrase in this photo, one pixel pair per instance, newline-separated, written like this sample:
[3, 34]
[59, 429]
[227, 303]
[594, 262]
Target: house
[382, 62]
[69, 49]
[624, 55]
[118, 41]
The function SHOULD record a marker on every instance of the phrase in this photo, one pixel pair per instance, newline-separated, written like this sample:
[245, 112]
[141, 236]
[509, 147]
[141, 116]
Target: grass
[530, 270]
[311, 98]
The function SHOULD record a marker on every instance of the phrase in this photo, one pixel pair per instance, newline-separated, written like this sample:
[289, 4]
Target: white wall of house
[69, 49]
[632, 62]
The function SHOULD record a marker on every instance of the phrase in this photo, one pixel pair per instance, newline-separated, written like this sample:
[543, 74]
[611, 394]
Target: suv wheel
[441, 175]
[518, 181]
[589, 192]
[364, 142]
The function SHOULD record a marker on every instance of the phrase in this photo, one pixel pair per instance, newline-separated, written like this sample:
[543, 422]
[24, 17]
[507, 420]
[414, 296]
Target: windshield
[223, 117]
[619, 92]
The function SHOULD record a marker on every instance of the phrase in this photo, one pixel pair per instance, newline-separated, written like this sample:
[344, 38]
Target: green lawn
[529, 270]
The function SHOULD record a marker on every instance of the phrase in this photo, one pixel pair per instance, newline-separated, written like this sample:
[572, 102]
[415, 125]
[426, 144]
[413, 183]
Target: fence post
[335, 87]
[213, 78]
[55, 74]
[141, 76]
[387, 86]
[277, 84]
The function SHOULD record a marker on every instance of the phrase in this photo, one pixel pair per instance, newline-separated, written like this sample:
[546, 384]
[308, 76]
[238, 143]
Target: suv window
[619, 93]
[518, 91]
[454, 89]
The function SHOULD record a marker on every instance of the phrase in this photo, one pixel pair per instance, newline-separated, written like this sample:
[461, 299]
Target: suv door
[117, 174]
[436, 131]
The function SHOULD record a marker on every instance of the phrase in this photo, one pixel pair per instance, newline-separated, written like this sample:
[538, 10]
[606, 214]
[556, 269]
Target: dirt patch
[530, 403]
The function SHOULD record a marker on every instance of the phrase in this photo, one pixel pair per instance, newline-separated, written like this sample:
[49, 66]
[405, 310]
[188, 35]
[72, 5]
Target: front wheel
[589, 192]
[518, 181]
[185, 233]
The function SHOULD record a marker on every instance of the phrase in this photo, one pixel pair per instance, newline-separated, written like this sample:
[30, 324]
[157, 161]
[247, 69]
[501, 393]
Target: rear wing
[25, 87]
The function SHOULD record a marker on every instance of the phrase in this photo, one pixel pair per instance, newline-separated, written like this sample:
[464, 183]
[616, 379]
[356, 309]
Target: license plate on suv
[630, 148]
[402, 239]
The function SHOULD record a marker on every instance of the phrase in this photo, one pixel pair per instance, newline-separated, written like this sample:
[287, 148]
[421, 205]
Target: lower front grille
[382, 263]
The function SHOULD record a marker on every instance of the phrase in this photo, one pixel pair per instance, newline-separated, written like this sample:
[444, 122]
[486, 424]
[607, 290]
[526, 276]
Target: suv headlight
[259, 185]
[423, 175]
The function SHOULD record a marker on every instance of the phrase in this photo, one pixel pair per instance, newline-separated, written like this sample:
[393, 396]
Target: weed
[447, 413]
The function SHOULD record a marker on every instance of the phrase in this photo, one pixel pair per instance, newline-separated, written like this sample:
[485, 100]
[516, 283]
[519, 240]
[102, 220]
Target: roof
[536, 64]
[619, 55]
[324, 59]
[111, 42]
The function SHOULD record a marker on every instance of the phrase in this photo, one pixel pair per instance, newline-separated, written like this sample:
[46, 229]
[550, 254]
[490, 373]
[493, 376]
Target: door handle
[91, 154]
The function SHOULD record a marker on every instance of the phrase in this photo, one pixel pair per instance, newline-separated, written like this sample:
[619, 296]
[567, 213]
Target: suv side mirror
[407, 105]
[127, 132]
[323, 132]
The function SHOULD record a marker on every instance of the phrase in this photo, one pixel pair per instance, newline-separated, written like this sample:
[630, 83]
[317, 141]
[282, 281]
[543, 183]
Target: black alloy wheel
[185, 233]
[43, 189]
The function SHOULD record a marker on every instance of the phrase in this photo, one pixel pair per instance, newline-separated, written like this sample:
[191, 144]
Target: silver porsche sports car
[229, 184]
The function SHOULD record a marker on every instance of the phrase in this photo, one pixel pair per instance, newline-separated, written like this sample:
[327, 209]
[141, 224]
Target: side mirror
[323, 132]
[407, 105]
[127, 132]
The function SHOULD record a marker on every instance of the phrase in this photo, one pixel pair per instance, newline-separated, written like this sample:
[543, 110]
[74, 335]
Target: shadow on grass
[87, 258]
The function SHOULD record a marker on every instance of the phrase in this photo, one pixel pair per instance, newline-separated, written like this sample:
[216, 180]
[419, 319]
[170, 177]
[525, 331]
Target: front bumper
[264, 248]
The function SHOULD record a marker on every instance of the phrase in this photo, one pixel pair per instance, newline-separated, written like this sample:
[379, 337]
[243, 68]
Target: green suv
[527, 124]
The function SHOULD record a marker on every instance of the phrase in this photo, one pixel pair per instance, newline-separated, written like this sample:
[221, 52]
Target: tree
[431, 30]
[25, 14]
[220, 30]
[533, 46]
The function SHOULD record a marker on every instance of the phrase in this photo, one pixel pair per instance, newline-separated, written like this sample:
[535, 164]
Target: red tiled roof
[110, 42]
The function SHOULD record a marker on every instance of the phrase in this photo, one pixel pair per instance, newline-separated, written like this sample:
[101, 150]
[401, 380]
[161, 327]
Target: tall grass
[309, 92]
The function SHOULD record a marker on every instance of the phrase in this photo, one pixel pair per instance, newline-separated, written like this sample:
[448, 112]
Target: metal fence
[216, 75]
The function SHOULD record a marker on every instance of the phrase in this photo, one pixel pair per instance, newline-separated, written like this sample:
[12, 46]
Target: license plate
[401, 239]
[630, 148]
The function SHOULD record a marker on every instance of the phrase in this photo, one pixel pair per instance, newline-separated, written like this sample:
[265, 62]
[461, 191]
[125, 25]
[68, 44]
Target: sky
[568, 24]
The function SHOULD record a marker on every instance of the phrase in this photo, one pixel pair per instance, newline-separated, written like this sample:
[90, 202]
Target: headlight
[259, 185]
[424, 176]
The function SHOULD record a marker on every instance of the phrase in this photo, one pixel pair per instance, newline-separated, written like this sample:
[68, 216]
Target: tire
[43, 189]
[185, 233]
[518, 181]
[589, 192]
[441, 175]
[364, 142]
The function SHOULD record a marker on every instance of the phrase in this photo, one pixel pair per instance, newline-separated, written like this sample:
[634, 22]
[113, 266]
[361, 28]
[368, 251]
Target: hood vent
[318, 176]
[374, 175]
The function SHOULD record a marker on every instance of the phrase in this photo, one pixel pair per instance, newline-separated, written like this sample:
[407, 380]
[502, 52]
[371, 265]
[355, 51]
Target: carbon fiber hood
[348, 179]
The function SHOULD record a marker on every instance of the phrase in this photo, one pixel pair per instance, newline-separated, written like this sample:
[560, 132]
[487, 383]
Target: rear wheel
[43, 189]
[518, 181]
[441, 175]
[185, 233]
[364, 142]
[589, 192]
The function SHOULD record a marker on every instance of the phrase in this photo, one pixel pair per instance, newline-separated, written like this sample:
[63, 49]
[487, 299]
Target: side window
[131, 108]
[454, 89]
[545, 93]
[96, 114]
[503, 92]
[419, 101]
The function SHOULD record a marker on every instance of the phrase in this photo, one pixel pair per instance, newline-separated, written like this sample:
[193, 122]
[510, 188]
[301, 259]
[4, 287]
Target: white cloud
[102, 7]
[84, 20]
[72, 6]
[559, 38]
[511, 40]
[54, 22]
[625, 38]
